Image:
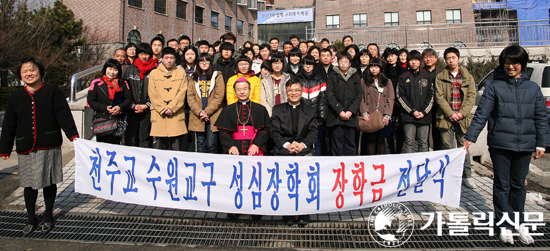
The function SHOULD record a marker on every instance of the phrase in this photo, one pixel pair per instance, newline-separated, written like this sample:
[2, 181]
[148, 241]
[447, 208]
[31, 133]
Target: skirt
[40, 169]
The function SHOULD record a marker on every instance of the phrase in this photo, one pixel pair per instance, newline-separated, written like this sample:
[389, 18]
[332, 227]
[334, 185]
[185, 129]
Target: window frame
[250, 30]
[133, 34]
[159, 9]
[424, 21]
[454, 20]
[217, 20]
[332, 18]
[135, 3]
[392, 22]
[241, 32]
[228, 28]
[360, 24]
[184, 13]
[197, 16]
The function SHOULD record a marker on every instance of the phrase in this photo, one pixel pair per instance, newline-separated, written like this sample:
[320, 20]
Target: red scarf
[112, 86]
[404, 65]
[145, 67]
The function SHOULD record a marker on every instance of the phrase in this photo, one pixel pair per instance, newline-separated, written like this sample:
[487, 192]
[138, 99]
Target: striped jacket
[314, 90]
[415, 92]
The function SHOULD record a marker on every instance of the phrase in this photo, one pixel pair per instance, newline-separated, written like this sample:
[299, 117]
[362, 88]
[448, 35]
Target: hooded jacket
[415, 93]
[343, 94]
[516, 111]
[255, 85]
[226, 67]
[314, 92]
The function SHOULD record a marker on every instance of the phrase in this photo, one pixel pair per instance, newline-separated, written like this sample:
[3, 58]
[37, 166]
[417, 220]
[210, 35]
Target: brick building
[141, 20]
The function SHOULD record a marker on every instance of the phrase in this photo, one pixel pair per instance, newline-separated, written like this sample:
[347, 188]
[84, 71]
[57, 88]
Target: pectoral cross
[244, 130]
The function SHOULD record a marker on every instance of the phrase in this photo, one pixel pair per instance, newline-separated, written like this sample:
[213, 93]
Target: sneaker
[469, 183]
[28, 229]
[47, 227]
[524, 235]
[506, 236]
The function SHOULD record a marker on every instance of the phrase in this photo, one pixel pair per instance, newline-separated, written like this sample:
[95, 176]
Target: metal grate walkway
[326, 235]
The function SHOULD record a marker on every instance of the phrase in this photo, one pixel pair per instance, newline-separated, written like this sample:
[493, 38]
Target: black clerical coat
[283, 129]
[228, 123]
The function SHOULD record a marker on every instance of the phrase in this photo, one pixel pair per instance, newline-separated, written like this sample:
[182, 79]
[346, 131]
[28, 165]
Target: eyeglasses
[430, 57]
[243, 64]
[515, 65]
[294, 90]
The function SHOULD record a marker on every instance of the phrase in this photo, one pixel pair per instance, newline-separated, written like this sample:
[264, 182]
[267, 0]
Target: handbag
[375, 122]
[104, 127]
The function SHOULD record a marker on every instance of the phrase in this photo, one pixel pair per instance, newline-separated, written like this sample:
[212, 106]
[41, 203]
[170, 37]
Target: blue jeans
[510, 169]
[207, 141]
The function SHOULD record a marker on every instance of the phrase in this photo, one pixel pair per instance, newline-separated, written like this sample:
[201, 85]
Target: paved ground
[472, 201]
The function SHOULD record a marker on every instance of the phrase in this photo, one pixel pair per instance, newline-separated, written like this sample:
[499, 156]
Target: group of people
[302, 101]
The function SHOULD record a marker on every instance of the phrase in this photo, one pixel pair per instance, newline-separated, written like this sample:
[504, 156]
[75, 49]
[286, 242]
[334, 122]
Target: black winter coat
[343, 94]
[138, 87]
[227, 68]
[35, 120]
[415, 93]
[314, 93]
[98, 98]
[516, 111]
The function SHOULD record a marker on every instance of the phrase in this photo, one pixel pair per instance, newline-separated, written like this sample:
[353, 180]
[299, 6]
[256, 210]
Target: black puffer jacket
[314, 93]
[516, 112]
[343, 94]
[415, 92]
[139, 87]
[226, 67]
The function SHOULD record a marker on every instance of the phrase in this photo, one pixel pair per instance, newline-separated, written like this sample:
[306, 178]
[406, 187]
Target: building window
[198, 14]
[227, 23]
[391, 18]
[269, 7]
[453, 16]
[135, 3]
[160, 6]
[181, 9]
[333, 21]
[261, 6]
[134, 37]
[250, 30]
[424, 17]
[214, 19]
[240, 24]
[241, 2]
[360, 20]
[252, 4]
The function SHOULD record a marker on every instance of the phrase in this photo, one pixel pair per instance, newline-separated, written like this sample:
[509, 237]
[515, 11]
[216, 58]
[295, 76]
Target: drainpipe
[193, 21]
[123, 20]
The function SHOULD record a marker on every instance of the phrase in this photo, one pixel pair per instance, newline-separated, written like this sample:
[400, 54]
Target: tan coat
[443, 88]
[370, 99]
[163, 90]
[267, 92]
[214, 107]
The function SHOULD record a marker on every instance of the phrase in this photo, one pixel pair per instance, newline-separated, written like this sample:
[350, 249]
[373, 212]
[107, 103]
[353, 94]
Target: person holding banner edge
[518, 126]
[34, 118]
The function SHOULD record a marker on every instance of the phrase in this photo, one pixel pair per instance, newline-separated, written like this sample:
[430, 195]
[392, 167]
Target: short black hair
[315, 47]
[235, 85]
[158, 39]
[277, 57]
[228, 36]
[309, 60]
[414, 54]
[325, 50]
[202, 42]
[266, 64]
[273, 38]
[246, 50]
[241, 59]
[287, 43]
[227, 46]
[216, 43]
[377, 48]
[248, 42]
[293, 37]
[187, 48]
[325, 40]
[168, 51]
[295, 52]
[293, 81]
[144, 48]
[35, 62]
[310, 41]
[184, 37]
[343, 54]
[347, 36]
[302, 42]
[129, 45]
[172, 40]
[389, 51]
[263, 46]
[112, 63]
[516, 54]
[451, 50]
[356, 49]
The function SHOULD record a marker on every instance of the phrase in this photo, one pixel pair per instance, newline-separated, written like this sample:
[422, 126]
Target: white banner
[285, 16]
[266, 185]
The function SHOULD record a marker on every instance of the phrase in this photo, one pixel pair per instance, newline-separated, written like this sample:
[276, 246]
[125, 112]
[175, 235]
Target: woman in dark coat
[34, 118]
[109, 96]
[518, 126]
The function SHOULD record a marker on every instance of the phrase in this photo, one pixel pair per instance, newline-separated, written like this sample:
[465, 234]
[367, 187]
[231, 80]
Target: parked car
[538, 71]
